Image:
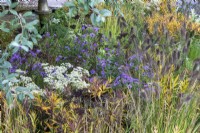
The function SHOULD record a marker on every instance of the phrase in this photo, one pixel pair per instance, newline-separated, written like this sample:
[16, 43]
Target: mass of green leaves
[24, 40]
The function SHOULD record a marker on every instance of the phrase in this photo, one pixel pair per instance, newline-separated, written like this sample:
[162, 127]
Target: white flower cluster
[25, 81]
[59, 77]
[56, 21]
[194, 16]
[148, 5]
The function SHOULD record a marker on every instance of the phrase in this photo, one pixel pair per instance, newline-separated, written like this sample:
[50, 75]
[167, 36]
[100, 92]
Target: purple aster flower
[83, 43]
[84, 36]
[146, 67]
[33, 53]
[116, 64]
[95, 45]
[107, 49]
[91, 80]
[43, 74]
[83, 27]
[92, 35]
[117, 81]
[96, 29]
[58, 58]
[23, 60]
[36, 66]
[48, 34]
[67, 47]
[131, 64]
[15, 57]
[126, 79]
[38, 51]
[13, 69]
[76, 40]
[136, 68]
[103, 63]
[129, 86]
[133, 57]
[92, 71]
[79, 56]
[103, 73]
[83, 50]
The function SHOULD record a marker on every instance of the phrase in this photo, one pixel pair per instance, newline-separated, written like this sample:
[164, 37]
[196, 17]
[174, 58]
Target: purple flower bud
[48, 34]
[96, 29]
[92, 71]
[107, 49]
[83, 27]
[92, 35]
[67, 47]
[58, 58]
[146, 68]
[43, 74]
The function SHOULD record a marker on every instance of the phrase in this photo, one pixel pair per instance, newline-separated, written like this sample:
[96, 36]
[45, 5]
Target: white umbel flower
[59, 77]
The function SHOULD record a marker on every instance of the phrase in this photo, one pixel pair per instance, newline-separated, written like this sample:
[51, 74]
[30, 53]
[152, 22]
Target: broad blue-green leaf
[27, 14]
[95, 2]
[96, 10]
[5, 81]
[9, 97]
[86, 9]
[69, 4]
[12, 76]
[2, 14]
[30, 95]
[23, 20]
[93, 19]
[5, 29]
[25, 48]
[105, 12]
[30, 44]
[15, 50]
[103, 19]
[22, 89]
[81, 1]
[7, 64]
[18, 37]
[38, 36]
[21, 97]
[13, 12]
[32, 23]
[9, 2]
[34, 40]
[13, 5]
[72, 12]
[98, 18]
[15, 44]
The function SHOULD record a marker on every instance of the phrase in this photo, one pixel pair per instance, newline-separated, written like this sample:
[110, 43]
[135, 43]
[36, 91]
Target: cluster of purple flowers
[105, 59]
[25, 61]
[17, 60]
[85, 47]
[125, 79]
[92, 51]
[187, 5]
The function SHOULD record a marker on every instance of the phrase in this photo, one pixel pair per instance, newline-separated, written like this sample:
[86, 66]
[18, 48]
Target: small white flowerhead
[56, 21]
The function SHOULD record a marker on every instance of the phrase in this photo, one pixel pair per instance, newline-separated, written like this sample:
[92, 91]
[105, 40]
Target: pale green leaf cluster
[24, 40]
[85, 7]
